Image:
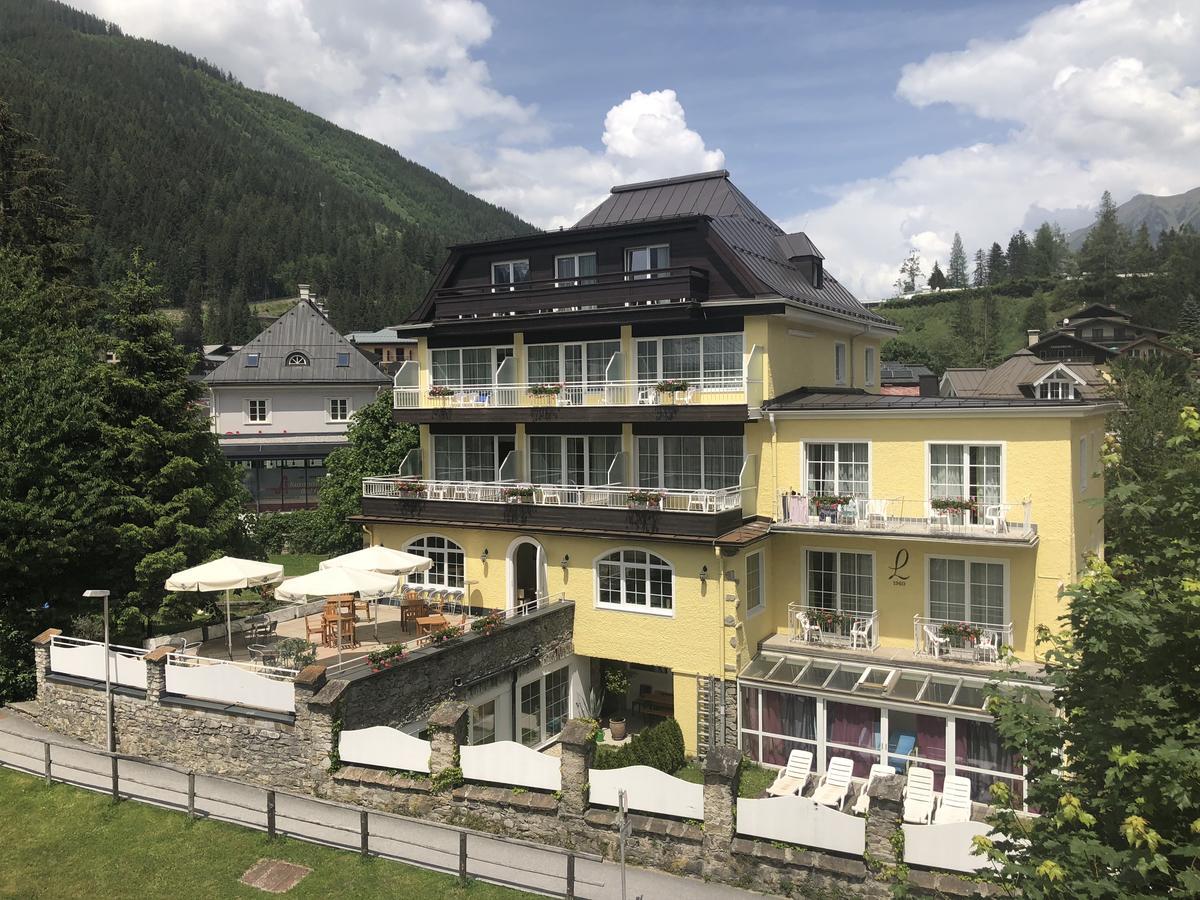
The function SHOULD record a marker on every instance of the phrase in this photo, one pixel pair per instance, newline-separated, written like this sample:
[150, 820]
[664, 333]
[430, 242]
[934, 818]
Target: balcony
[611, 508]
[897, 517]
[610, 290]
[830, 628]
[959, 640]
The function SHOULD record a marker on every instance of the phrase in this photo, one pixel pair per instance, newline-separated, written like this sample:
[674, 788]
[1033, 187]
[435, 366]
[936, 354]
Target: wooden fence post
[270, 814]
[116, 790]
[462, 857]
[49, 778]
[570, 876]
[364, 833]
[191, 795]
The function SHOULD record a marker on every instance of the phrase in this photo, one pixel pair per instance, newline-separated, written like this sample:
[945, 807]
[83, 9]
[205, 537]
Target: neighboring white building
[284, 400]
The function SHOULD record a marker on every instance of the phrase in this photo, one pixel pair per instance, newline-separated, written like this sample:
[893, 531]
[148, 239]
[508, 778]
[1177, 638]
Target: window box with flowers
[441, 393]
[830, 620]
[489, 624]
[953, 505]
[521, 493]
[407, 488]
[668, 387]
[644, 499]
[545, 392]
[445, 635]
[828, 506]
[966, 632]
[386, 657]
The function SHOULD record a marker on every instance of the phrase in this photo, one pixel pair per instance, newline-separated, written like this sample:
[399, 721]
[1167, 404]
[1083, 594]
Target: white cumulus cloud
[1101, 94]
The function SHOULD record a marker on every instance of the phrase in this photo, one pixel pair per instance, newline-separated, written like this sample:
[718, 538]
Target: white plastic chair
[690, 394]
[860, 632]
[918, 796]
[792, 779]
[647, 397]
[698, 502]
[835, 783]
[987, 649]
[809, 630]
[936, 643]
[873, 512]
[994, 521]
[863, 804]
[955, 805]
[551, 495]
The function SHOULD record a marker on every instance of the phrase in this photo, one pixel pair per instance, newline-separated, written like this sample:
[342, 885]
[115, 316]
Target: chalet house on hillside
[1023, 376]
[282, 402]
[1098, 334]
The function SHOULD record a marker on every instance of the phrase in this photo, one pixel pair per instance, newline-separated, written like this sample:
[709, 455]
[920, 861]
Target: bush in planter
[519, 492]
[671, 385]
[645, 498]
[385, 657]
[660, 747]
[295, 653]
[445, 635]
[489, 624]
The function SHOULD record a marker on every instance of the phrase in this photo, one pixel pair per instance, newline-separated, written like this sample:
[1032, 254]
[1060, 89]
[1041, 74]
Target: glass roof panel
[908, 686]
[845, 678]
[876, 680]
[970, 696]
[761, 666]
[817, 673]
[789, 670]
[941, 690]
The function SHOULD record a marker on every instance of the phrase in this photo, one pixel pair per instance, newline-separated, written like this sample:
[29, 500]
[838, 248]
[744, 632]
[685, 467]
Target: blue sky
[879, 128]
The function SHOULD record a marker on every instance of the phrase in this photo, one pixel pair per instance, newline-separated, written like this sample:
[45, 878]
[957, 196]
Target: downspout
[774, 463]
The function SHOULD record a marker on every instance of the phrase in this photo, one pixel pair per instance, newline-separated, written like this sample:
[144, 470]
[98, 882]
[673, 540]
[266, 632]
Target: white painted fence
[387, 748]
[85, 659]
[944, 846]
[798, 820]
[648, 790]
[507, 762]
[236, 683]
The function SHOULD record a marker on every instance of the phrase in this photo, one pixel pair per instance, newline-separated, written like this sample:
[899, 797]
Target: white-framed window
[643, 259]
[544, 705]
[1058, 384]
[573, 459]
[841, 467]
[258, 412]
[869, 366]
[1084, 464]
[967, 471]
[470, 457]
[968, 590]
[449, 562]
[839, 363]
[754, 581]
[510, 272]
[689, 462]
[337, 409]
[715, 359]
[582, 365]
[637, 580]
[470, 366]
[482, 723]
[572, 269]
[841, 581]
[296, 358]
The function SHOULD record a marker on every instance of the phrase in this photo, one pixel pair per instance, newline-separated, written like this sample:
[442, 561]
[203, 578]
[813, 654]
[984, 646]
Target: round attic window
[296, 359]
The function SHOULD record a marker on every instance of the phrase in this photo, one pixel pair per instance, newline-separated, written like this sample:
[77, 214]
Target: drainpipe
[774, 463]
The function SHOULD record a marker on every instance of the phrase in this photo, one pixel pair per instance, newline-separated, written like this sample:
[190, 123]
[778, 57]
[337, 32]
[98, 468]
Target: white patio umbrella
[225, 574]
[379, 559]
[333, 582]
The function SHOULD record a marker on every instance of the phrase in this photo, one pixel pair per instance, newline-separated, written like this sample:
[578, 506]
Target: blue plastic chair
[905, 744]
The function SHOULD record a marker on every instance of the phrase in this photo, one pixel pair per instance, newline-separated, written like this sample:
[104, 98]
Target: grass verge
[754, 781]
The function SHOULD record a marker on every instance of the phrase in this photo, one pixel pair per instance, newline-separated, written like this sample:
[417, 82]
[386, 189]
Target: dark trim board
[664, 414]
[650, 523]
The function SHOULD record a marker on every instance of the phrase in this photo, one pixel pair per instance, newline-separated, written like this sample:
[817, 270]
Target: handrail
[908, 516]
[833, 626]
[572, 285]
[701, 500]
[956, 641]
[62, 640]
[277, 673]
[643, 392]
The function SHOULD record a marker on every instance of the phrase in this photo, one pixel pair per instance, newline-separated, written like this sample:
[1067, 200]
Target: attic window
[251, 360]
[343, 359]
[1056, 386]
[296, 359]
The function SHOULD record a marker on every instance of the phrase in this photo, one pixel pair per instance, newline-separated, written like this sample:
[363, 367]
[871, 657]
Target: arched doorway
[526, 571]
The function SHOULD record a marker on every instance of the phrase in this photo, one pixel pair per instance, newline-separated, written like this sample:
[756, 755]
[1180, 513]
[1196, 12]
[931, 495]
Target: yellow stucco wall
[798, 355]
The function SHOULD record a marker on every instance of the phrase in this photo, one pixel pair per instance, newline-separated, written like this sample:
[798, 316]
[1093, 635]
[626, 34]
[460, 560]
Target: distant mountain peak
[1159, 213]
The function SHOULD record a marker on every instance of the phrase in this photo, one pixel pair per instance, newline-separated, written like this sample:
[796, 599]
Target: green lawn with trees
[65, 842]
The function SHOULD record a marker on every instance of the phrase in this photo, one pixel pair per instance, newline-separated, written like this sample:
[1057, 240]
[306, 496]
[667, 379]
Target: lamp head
[96, 594]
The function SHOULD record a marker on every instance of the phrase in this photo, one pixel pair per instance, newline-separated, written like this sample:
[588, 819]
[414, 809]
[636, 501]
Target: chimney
[304, 291]
[928, 385]
[1032, 336]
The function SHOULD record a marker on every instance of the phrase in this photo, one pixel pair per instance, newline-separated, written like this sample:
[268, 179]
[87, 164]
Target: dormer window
[1058, 384]
[296, 358]
[251, 360]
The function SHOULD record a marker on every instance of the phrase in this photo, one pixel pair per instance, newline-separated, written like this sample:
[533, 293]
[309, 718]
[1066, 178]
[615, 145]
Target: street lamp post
[108, 701]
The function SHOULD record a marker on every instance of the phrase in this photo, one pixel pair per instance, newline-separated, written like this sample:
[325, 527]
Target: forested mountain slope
[237, 195]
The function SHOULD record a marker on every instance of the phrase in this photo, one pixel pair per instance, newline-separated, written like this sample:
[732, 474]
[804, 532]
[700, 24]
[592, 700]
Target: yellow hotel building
[669, 414]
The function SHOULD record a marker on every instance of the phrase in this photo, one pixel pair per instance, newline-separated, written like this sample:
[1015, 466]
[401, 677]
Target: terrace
[902, 518]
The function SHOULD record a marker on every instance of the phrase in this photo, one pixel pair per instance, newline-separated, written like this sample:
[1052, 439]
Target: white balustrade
[239, 684]
[648, 790]
[384, 747]
[507, 762]
[85, 659]
[799, 820]
[575, 394]
[944, 846]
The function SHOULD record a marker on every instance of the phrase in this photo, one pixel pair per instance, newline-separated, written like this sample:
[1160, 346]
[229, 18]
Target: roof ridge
[675, 179]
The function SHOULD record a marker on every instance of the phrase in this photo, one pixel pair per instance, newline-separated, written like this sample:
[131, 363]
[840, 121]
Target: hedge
[660, 747]
[301, 531]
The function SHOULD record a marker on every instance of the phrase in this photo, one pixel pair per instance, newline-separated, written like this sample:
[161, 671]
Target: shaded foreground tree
[1117, 776]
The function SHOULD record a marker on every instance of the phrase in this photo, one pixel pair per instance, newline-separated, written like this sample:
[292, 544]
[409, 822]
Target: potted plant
[385, 657]
[643, 499]
[828, 505]
[953, 504]
[616, 686]
[441, 391]
[445, 634]
[968, 632]
[521, 493]
[829, 619]
[669, 386]
[489, 624]
[410, 488]
[545, 391]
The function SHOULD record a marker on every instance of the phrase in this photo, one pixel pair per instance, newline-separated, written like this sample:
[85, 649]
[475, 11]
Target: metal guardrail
[960, 639]
[605, 496]
[570, 394]
[427, 845]
[901, 516]
[837, 629]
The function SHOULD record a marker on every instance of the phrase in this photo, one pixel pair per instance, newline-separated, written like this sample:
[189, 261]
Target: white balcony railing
[897, 515]
[603, 497]
[85, 659]
[600, 393]
[818, 625]
[958, 639]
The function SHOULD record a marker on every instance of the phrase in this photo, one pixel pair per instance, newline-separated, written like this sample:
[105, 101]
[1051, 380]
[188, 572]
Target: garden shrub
[660, 747]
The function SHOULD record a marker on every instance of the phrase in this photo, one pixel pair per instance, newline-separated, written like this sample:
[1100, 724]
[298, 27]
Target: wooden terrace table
[426, 624]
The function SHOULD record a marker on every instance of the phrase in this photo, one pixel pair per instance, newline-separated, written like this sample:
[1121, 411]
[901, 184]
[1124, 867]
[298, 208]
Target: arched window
[635, 579]
[449, 562]
[296, 358]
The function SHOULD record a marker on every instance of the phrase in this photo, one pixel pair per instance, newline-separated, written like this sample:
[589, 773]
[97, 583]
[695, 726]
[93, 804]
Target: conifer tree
[1045, 260]
[997, 267]
[1141, 251]
[979, 277]
[1018, 256]
[1105, 250]
[937, 279]
[956, 272]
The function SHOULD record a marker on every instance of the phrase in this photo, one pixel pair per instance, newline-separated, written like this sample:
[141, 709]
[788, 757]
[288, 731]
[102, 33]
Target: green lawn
[60, 841]
[755, 779]
[297, 563]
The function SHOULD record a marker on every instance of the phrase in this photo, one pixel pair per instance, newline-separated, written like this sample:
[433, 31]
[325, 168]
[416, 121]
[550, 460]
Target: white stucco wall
[293, 410]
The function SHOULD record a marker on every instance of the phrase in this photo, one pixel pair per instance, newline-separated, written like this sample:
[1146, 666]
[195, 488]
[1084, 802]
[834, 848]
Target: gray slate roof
[301, 328]
[759, 243]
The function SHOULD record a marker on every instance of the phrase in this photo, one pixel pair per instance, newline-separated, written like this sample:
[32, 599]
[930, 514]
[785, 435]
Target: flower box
[967, 631]
[645, 499]
[545, 390]
[411, 488]
[440, 391]
[953, 504]
[385, 657]
[671, 385]
[489, 624]
[518, 494]
[445, 635]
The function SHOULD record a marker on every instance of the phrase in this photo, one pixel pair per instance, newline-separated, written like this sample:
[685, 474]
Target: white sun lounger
[956, 801]
[793, 778]
[835, 784]
[863, 803]
[918, 796]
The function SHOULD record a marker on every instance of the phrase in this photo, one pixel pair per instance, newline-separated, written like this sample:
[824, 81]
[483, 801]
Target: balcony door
[526, 572]
[470, 457]
[582, 460]
[966, 471]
